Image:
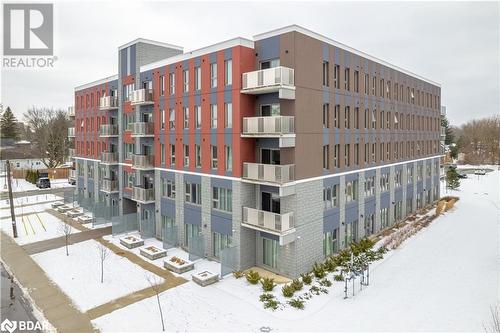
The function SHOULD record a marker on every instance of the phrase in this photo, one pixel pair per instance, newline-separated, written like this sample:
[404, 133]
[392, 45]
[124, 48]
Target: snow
[34, 227]
[445, 278]
[21, 185]
[78, 274]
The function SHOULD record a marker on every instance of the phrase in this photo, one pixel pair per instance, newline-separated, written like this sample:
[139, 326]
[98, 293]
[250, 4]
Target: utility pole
[11, 199]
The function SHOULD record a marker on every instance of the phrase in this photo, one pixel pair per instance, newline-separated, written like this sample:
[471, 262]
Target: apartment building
[271, 152]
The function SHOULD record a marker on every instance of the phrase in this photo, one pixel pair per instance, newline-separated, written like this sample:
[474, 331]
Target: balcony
[71, 132]
[141, 97]
[281, 127]
[143, 195]
[71, 152]
[109, 186]
[71, 111]
[143, 129]
[108, 103]
[109, 158]
[269, 173]
[108, 130]
[282, 225]
[143, 162]
[277, 79]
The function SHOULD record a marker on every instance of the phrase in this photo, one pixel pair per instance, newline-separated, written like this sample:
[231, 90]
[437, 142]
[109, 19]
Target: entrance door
[270, 252]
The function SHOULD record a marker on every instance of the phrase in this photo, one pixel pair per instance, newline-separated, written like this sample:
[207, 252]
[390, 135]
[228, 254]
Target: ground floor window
[409, 206]
[270, 252]
[220, 241]
[384, 217]
[330, 242]
[398, 211]
[369, 224]
[419, 200]
[190, 231]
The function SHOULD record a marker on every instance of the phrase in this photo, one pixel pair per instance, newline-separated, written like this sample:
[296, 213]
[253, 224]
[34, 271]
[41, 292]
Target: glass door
[270, 252]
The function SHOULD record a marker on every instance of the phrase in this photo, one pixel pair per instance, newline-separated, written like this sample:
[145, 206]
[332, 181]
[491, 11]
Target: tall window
[171, 119]
[213, 157]
[213, 75]
[220, 242]
[228, 72]
[367, 83]
[326, 156]
[336, 76]
[222, 199]
[229, 158]
[347, 155]
[192, 193]
[228, 115]
[356, 153]
[326, 72]
[347, 79]
[213, 115]
[197, 78]
[347, 117]
[326, 115]
[162, 119]
[162, 85]
[186, 155]
[185, 76]
[172, 155]
[351, 190]
[171, 79]
[336, 115]
[186, 117]
[197, 116]
[336, 155]
[356, 117]
[330, 196]
[356, 81]
[162, 153]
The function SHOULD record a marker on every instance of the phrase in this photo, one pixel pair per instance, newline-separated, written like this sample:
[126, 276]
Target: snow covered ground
[21, 185]
[78, 274]
[445, 278]
[34, 227]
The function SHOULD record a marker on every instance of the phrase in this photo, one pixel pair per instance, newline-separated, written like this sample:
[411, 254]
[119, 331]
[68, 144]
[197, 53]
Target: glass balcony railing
[141, 97]
[143, 129]
[268, 126]
[108, 102]
[143, 195]
[269, 173]
[277, 79]
[108, 130]
[109, 185]
[142, 161]
[268, 221]
[109, 158]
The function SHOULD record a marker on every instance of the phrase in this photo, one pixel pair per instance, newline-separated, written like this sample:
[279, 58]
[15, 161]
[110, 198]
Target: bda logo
[8, 325]
[28, 29]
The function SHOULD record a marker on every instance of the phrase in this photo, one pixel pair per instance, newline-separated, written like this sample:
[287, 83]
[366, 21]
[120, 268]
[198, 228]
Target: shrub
[271, 304]
[296, 284]
[314, 290]
[330, 265]
[238, 274]
[323, 290]
[253, 277]
[306, 278]
[287, 291]
[266, 297]
[338, 277]
[325, 282]
[318, 271]
[296, 303]
[267, 284]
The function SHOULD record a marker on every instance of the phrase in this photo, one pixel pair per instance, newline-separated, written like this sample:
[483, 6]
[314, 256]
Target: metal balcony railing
[108, 130]
[143, 129]
[109, 158]
[71, 132]
[108, 102]
[142, 161]
[269, 172]
[144, 195]
[141, 96]
[109, 185]
[268, 126]
[268, 80]
[268, 221]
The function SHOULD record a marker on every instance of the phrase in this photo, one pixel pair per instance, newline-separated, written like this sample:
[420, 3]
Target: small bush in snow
[238, 274]
[306, 278]
[253, 277]
[296, 284]
[266, 297]
[296, 303]
[325, 282]
[267, 284]
[287, 291]
[318, 271]
[338, 277]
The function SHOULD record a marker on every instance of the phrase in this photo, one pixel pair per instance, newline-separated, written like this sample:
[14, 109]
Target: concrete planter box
[131, 242]
[64, 208]
[57, 204]
[85, 219]
[74, 213]
[205, 278]
[152, 252]
[178, 265]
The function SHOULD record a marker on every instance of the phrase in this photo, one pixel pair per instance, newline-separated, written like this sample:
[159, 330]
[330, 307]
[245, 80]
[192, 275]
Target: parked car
[480, 172]
[43, 182]
[462, 175]
[72, 181]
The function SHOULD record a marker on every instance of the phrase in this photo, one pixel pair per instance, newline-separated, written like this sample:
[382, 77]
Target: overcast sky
[453, 43]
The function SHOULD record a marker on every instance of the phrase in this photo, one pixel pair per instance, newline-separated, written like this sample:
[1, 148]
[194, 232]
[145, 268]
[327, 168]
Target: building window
[228, 72]
[162, 153]
[384, 182]
[171, 119]
[197, 78]
[356, 117]
[162, 119]
[191, 233]
[213, 115]
[326, 157]
[213, 156]
[270, 252]
[347, 117]
[347, 155]
[197, 116]
[351, 190]
[336, 76]
[197, 151]
[168, 188]
[356, 153]
[398, 178]
[172, 155]
[367, 83]
[213, 75]
[326, 115]
[162, 85]
[220, 242]
[336, 154]
[356, 81]
[374, 85]
[185, 76]
[330, 196]
[336, 115]
[228, 115]
[229, 158]
[171, 81]
[326, 72]
[186, 117]
[222, 199]
[186, 155]
[347, 79]
[369, 186]
[193, 193]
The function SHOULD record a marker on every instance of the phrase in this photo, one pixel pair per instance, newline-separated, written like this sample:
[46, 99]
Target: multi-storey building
[284, 148]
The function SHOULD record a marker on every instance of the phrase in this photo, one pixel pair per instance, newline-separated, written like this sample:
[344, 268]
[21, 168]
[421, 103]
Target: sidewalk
[54, 304]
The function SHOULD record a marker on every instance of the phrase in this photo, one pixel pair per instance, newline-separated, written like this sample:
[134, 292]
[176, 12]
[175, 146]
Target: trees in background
[452, 180]
[50, 129]
[8, 125]
[479, 140]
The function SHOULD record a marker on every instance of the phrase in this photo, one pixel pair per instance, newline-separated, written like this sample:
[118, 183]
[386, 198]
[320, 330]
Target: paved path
[171, 281]
[55, 305]
[60, 190]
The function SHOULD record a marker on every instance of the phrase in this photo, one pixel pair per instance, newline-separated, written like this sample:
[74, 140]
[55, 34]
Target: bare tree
[495, 320]
[66, 230]
[103, 255]
[155, 282]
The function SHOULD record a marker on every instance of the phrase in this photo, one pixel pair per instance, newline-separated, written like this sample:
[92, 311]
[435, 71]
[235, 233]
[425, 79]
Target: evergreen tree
[8, 125]
[450, 136]
[452, 180]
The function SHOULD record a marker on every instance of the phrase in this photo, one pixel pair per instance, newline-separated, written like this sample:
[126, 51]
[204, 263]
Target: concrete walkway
[54, 304]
